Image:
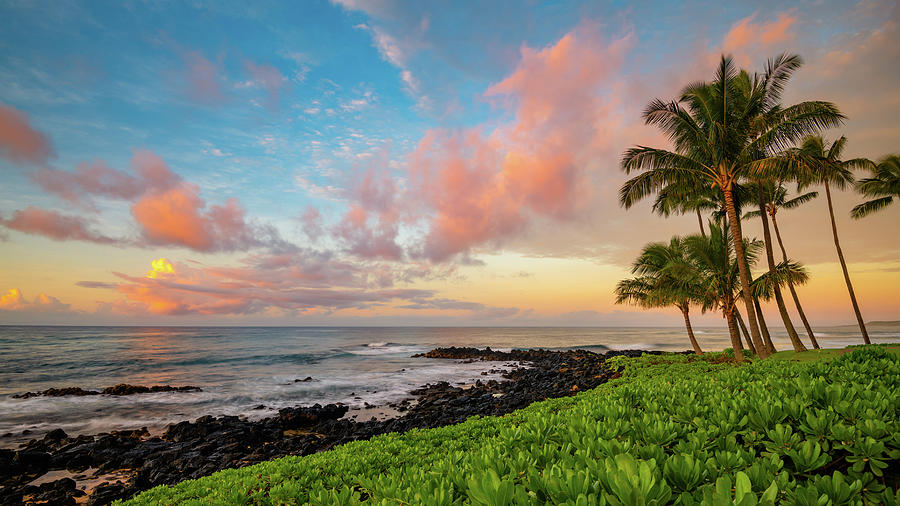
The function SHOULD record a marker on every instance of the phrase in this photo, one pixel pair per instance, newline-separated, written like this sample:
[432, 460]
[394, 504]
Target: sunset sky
[392, 163]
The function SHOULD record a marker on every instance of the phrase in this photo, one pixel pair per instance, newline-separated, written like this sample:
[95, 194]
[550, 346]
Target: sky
[393, 163]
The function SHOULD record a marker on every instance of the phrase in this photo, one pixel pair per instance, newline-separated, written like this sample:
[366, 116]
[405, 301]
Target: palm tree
[717, 265]
[744, 332]
[722, 131]
[663, 280]
[884, 185]
[763, 287]
[817, 163]
[777, 199]
[685, 197]
[760, 188]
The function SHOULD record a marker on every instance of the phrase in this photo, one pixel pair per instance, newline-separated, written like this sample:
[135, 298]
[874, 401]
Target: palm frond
[799, 200]
[871, 206]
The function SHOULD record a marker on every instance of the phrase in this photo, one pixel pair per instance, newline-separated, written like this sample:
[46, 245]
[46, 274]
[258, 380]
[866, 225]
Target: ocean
[242, 368]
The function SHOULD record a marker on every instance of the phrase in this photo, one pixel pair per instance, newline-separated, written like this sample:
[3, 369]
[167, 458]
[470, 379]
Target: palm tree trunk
[750, 345]
[744, 268]
[735, 338]
[690, 331]
[770, 257]
[763, 327]
[806, 325]
[837, 245]
[700, 220]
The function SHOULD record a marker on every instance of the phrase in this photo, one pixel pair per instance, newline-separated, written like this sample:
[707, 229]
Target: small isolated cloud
[54, 225]
[269, 78]
[19, 142]
[203, 79]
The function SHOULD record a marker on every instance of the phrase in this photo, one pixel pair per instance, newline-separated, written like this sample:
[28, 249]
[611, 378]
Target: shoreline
[191, 449]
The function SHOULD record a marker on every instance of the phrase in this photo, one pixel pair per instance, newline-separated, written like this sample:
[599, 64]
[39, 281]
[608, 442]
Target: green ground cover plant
[680, 429]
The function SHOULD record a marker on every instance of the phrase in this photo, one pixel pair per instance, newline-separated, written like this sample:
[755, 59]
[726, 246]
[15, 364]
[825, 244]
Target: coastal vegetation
[735, 145]
[673, 429]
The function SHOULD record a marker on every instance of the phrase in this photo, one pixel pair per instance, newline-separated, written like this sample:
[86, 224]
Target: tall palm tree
[663, 279]
[760, 187]
[818, 163]
[884, 185]
[717, 264]
[722, 131]
[777, 198]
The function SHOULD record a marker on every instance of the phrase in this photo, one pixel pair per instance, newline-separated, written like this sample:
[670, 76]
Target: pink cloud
[376, 241]
[167, 210]
[178, 216]
[311, 221]
[370, 226]
[54, 225]
[481, 189]
[270, 78]
[97, 178]
[19, 142]
[746, 39]
[203, 79]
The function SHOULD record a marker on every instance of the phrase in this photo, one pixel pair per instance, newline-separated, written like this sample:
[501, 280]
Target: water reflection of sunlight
[156, 350]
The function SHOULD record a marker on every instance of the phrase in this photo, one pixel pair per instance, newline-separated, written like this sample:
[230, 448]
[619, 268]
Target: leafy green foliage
[674, 429]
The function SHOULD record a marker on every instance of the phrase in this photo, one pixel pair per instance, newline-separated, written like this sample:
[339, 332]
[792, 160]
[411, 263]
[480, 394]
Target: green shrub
[676, 429]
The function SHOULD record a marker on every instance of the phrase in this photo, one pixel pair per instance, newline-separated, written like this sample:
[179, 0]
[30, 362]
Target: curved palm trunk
[763, 327]
[806, 325]
[837, 245]
[744, 269]
[770, 258]
[735, 338]
[690, 331]
[750, 345]
[700, 220]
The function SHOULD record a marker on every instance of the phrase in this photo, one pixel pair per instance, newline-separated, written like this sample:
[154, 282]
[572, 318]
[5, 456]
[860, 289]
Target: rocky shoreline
[120, 389]
[138, 460]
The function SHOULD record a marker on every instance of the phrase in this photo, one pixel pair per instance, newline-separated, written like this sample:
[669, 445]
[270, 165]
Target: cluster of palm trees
[736, 146]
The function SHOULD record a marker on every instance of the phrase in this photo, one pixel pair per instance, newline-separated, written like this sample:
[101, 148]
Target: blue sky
[318, 109]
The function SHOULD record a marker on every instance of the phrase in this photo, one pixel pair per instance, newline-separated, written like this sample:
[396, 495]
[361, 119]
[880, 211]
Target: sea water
[240, 369]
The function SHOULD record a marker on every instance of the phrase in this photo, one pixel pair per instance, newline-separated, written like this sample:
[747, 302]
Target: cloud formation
[98, 179]
[304, 283]
[179, 217]
[203, 81]
[13, 300]
[19, 142]
[748, 36]
[54, 225]
[482, 188]
[167, 210]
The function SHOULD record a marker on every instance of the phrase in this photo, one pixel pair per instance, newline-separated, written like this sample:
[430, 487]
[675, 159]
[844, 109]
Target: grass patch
[674, 429]
[826, 353]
